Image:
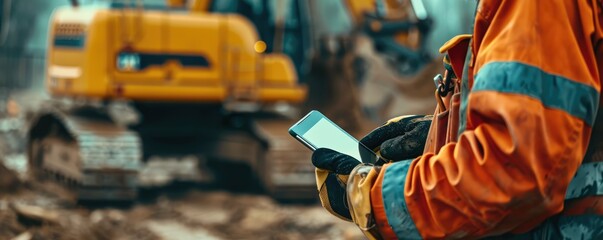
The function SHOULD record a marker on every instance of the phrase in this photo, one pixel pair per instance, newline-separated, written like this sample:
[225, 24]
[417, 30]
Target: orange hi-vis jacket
[533, 81]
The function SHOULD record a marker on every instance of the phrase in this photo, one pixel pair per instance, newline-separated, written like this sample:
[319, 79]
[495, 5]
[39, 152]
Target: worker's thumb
[333, 161]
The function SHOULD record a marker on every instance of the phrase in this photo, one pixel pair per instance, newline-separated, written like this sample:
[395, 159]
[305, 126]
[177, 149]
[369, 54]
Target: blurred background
[167, 119]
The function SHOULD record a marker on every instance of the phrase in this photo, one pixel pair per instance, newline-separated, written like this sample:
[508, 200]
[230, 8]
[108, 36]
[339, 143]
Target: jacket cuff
[358, 191]
[389, 203]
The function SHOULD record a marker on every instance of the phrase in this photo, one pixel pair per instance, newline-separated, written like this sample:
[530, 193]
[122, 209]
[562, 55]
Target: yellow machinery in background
[198, 82]
[164, 56]
[195, 79]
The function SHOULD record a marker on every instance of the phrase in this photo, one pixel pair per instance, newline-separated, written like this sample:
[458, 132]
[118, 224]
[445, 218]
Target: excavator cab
[196, 80]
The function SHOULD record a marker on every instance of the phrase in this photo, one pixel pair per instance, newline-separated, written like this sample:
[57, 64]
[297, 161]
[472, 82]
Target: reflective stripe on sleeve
[577, 99]
[588, 181]
[394, 202]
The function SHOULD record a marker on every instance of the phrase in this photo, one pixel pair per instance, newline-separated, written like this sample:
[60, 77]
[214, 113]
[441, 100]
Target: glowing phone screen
[325, 135]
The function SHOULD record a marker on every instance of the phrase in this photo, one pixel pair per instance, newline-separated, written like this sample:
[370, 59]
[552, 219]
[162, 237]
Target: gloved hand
[332, 172]
[400, 138]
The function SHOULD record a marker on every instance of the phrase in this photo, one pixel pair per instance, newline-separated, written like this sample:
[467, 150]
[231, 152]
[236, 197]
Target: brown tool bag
[445, 125]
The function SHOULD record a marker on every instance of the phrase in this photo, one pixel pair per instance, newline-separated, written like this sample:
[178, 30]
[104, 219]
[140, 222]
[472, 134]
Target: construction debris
[162, 171]
[9, 181]
[35, 215]
[42, 210]
[196, 215]
[23, 236]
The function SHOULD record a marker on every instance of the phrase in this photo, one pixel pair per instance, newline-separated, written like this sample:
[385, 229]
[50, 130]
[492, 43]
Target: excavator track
[287, 171]
[280, 163]
[94, 157]
[99, 160]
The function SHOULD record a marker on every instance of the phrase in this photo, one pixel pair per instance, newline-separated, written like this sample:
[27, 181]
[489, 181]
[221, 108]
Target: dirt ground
[35, 210]
[39, 210]
[33, 213]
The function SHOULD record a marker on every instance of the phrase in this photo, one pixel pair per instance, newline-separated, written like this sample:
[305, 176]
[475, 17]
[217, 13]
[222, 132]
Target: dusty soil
[39, 210]
[32, 213]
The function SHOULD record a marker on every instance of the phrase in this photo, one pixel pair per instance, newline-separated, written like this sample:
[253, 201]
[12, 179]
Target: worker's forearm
[510, 169]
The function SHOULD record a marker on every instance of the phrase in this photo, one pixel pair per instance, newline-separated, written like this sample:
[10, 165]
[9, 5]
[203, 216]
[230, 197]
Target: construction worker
[524, 163]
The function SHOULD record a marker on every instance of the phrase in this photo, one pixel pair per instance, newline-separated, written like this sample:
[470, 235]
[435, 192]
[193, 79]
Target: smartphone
[316, 131]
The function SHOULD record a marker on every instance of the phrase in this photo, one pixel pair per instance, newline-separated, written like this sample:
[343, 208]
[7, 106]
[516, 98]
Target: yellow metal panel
[138, 31]
[196, 76]
[136, 28]
[67, 56]
[87, 58]
[97, 57]
[282, 94]
[152, 75]
[193, 33]
[278, 70]
[241, 67]
[197, 35]
[172, 93]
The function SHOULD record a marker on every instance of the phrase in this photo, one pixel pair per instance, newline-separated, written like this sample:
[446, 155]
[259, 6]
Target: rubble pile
[21, 221]
[9, 182]
[197, 215]
[40, 210]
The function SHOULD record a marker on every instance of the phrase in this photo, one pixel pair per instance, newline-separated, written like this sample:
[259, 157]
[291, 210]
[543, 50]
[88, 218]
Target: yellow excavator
[192, 76]
[199, 83]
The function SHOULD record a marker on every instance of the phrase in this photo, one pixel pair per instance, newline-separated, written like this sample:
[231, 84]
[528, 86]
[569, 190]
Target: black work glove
[400, 138]
[332, 171]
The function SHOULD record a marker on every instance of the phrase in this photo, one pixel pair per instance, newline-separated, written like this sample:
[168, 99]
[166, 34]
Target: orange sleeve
[534, 96]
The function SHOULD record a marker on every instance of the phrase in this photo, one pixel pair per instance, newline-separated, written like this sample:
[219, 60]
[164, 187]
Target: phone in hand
[316, 131]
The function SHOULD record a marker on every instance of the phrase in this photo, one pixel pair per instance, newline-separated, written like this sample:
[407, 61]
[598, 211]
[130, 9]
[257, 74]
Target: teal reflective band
[560, 226]
[465, 91]
[394, 202]
[577, 99]
[588, 181]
